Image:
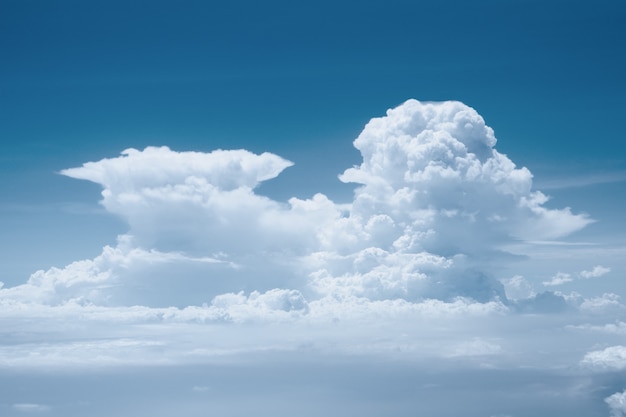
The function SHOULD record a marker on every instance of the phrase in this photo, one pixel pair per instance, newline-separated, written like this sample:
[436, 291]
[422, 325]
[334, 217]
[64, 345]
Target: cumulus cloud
[517, 288]
[606, 301]
[190, 201]
[476, 347]
[596, 272]
[611, 328]
[617, 404]
[547, 302]
[613, 358]
[434, 205]
[559, 279]
[210, 271]
[435, 165]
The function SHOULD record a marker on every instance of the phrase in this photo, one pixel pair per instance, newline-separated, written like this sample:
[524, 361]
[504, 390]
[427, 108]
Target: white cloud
[613, 358]
[475, 347]
[546, 302]
[559, 279]
[617, 404]
[602, 303]
[30, 407]
[435, 163]
[154, 168]
[120, 273]
[435, 205]
[517, 288]
[611, 328]
[596, 272]
[210, 271]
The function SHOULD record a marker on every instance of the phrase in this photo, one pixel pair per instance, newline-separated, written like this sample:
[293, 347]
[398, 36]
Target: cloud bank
[434, 204]
[411, 269]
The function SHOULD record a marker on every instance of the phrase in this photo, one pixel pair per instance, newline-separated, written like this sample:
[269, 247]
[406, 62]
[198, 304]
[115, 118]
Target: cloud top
[437, 162]
[159, 166]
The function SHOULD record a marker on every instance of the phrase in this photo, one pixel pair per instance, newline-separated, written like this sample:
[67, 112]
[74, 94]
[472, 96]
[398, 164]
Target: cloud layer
[410, 270]
[434, 204]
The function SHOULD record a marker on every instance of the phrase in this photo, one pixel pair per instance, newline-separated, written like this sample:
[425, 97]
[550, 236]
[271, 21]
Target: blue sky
[82, 82]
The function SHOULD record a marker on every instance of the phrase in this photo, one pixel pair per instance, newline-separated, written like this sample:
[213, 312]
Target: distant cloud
[476, 347]
[30, 408]
[562, 278]
[617, 404]
[559, 279]
[604, 302]
[573, 181]
[596, 272]
[613, 358]
[610, 328]
[517, 288]
[546, 302]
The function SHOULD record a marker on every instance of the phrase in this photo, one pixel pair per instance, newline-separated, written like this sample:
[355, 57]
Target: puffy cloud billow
[410, 269]
[433, 206]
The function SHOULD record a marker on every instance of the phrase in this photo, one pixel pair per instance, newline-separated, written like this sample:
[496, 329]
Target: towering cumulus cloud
[433, 205]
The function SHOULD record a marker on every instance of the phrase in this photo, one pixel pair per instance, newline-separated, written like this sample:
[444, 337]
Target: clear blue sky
[84, 80]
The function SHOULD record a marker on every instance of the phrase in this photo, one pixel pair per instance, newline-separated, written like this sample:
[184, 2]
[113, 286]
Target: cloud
[154, 168]
[30, 407]
[559, 279]
[573, 181]
[119, 273]
[434, 206]
[602, 303]
[211, 272]
[517, 288]
[546, 302]
[613, 358]
[596, 272]
[611, 328]
[617, 404]
[189, 201]
[476, 347]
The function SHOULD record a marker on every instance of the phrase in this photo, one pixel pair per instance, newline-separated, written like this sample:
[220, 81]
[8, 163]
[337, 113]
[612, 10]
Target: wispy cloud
[577, 181]
[31, 408]
[434, 200]
[559, 279]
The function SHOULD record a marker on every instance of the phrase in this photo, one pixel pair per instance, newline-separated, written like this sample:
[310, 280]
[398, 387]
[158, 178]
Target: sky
[380, 208]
